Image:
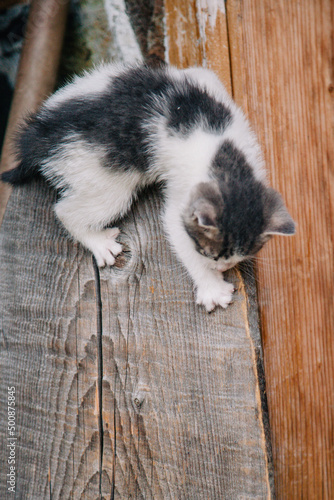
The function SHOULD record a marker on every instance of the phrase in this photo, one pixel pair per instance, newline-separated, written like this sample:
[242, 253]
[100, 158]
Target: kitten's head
[230, 223]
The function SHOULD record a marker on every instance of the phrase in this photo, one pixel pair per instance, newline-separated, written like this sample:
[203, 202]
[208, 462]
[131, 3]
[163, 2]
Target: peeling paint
[208, 10]
[166, 39]
[125, 44]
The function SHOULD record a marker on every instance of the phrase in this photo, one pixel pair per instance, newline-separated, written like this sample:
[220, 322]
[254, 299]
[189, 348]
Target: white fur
[212, 290]
[93, 82]
[96, 195]
[210, 82]
[239, 131]
[177, 156]
[244, 139]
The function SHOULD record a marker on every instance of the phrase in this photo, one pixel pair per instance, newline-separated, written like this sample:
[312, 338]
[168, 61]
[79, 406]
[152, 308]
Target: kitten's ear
[204, 209]
[279, 219]
[205, 216]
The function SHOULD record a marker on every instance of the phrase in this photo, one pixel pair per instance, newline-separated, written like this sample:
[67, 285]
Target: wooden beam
[48, 351]
[181, 410]
[282, 67]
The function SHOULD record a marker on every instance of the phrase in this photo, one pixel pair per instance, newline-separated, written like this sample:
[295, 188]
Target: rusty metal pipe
[36, 74]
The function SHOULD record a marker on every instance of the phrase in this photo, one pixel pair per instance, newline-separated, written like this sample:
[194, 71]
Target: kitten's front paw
[104, 246]
[219, 294]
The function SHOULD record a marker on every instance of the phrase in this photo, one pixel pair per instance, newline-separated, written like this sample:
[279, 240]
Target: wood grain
[282, 67]
[48, 337]
[181, 407]
[180, 388]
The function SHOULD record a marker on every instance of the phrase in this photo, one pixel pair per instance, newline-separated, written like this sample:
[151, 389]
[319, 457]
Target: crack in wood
[50, 486]
[99, 366]
[229, 42]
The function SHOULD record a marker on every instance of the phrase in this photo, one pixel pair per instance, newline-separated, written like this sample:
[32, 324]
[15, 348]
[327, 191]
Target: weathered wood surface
[181, 409]
[282, 67]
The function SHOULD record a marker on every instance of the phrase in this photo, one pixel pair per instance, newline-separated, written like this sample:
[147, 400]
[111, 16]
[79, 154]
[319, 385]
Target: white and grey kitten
[117, 129]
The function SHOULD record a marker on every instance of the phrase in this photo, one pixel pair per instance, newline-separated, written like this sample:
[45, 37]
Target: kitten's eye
[203, 252]
[208, 254]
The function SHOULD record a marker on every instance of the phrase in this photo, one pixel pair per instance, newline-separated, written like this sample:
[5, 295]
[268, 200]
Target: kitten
[117, 129]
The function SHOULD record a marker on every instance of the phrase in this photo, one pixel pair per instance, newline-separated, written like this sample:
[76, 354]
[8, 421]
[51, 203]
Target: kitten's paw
[219, 294]
[104, 246]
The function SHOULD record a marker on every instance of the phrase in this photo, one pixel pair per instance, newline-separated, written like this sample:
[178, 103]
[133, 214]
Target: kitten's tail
[20, 175]
[27, 144]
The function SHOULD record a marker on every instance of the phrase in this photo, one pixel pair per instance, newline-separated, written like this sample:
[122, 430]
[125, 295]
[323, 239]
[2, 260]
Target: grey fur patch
[201, 219]
[236, 214]
[279, 221]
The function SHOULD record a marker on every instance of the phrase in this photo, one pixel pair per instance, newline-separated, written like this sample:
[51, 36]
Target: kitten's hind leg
[85, 217]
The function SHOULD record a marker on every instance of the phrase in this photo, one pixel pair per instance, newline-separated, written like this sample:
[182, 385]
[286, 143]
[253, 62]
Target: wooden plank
[48, 349]
[282, 66]
[180, 396]
[181, 410]
[180, 391]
